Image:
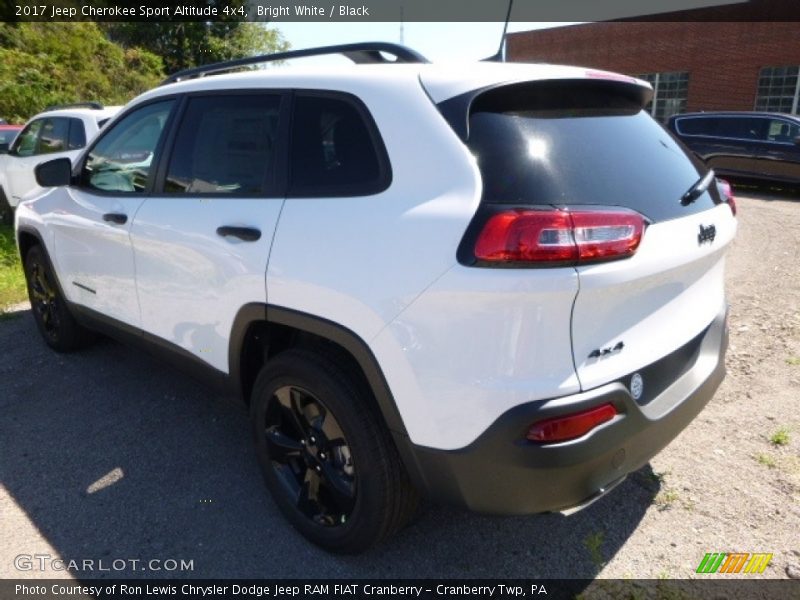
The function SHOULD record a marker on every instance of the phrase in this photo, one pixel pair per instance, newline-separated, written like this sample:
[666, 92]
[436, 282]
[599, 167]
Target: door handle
[116, 218]
[246, 234]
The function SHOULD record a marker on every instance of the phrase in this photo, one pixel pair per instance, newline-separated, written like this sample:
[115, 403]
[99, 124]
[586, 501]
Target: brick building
[734, 57]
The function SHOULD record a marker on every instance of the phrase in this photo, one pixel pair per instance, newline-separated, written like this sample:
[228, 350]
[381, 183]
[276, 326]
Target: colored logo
[734, 562]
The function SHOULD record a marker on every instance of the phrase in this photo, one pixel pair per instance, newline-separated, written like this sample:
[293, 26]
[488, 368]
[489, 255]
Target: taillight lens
[559, 237]
[726, 191]
[568, 427]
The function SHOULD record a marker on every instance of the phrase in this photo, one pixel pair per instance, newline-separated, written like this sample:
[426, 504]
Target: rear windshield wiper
[700, 186]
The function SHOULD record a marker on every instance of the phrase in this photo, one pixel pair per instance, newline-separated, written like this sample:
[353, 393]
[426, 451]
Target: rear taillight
[726, 191]
[558, 237]
[569, 427]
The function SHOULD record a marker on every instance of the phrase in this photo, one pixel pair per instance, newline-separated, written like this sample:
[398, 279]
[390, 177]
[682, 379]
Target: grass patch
[666, 499]
[593, 544]
[12, 281]
[780, 437]
[766, 460]
[793, 360]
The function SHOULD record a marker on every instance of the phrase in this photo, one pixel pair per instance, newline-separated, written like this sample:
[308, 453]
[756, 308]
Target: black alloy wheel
[55, 322]
[44, 298]
[325, 452]
[310, 456]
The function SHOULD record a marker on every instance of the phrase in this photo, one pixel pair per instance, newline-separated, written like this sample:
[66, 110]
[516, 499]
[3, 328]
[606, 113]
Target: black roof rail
[359, 53]
[92, 105]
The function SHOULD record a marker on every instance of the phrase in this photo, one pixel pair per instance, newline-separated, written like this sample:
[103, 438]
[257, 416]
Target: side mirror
[797, 140]
[54, 173]
[4, 146]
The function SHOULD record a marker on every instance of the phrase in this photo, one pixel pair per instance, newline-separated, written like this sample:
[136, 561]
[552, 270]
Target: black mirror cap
[797, 140]
[54, 173]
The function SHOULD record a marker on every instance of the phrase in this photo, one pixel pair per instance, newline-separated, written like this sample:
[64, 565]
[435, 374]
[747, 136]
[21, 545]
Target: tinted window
[53, 137]
[77, 134]
[697, 126]
[743, 128]
[7, 135]
[225, 145]
[121, 160]
[564, 144]
[782, 131]
[332, 151]
[25, 144]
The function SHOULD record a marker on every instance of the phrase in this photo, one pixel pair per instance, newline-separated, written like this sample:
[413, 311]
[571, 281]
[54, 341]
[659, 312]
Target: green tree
[56, 63]
[190, 43]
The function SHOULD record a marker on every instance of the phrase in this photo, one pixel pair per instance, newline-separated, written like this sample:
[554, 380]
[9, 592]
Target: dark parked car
[745, 144]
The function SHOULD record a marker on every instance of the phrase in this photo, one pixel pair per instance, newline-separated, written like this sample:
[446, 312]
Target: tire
[326, 456]
[58, 327]
[6, 212]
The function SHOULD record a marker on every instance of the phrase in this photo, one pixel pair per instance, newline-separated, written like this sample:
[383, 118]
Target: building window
[778, 89]
[669, 93]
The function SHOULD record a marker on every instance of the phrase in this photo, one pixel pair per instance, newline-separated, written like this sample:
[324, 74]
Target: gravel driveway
[109, 455]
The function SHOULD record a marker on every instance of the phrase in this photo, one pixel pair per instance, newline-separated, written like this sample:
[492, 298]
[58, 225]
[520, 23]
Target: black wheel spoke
[289, 480]
[288, 412]
[300, 404]
[340, 487]
[281, 447]
[317, 474]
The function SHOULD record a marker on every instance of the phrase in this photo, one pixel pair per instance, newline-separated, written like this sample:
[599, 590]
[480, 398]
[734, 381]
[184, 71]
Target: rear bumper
[503, 473]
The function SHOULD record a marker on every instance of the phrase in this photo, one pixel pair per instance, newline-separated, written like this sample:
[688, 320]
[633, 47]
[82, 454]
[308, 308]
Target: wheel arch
[27, 238]
[260, 331]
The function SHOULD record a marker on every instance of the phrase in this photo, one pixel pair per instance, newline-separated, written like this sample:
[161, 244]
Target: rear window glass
[333, 150]
[568, 144]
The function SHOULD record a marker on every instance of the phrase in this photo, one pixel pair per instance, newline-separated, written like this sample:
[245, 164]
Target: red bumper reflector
[568, 427]
[727, 194]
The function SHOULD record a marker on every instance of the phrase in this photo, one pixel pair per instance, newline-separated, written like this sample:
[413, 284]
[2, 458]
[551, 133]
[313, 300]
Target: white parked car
[501, 286]
[59, 131]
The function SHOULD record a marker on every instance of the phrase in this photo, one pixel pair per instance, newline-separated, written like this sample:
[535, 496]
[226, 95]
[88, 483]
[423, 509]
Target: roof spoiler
[456, 111]
[359, 53]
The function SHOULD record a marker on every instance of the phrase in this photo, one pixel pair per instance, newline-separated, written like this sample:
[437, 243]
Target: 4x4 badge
[707, 234]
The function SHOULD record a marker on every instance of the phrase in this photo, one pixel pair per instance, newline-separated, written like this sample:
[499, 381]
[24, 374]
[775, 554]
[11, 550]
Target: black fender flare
[323, 328]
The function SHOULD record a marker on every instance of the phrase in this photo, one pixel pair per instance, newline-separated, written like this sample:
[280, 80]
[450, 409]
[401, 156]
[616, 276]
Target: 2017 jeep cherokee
[500, 287]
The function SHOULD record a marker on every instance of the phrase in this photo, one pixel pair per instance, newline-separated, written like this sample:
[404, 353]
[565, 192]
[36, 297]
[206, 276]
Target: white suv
[500, 287]
[59, 131]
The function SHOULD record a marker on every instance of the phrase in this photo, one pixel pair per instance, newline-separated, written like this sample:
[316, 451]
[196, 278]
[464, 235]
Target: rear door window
[697, 126]
[225, 145]
[77, 134]
[742, 128]
[579, 144]
[335, 149]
